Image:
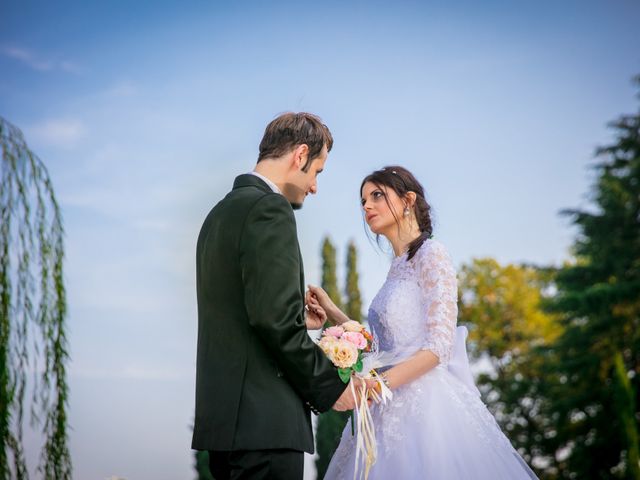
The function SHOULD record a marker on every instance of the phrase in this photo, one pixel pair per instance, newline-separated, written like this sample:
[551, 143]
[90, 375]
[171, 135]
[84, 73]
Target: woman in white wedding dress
[436, 427]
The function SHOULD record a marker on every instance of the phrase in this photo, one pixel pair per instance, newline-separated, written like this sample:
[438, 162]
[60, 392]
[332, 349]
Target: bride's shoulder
[431, 247]
[432, 261]
[432, 252]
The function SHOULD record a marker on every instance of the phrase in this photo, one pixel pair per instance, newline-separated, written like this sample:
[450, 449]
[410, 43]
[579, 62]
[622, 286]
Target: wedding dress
[435, 427]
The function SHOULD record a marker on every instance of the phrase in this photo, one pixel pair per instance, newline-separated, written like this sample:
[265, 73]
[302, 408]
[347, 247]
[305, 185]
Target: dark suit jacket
[258, 372]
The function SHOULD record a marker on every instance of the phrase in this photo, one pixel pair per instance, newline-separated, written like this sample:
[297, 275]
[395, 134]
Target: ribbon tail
[459, 362]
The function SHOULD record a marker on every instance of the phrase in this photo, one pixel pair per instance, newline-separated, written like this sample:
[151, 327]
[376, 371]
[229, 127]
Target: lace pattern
[393, 427]
[416, 308]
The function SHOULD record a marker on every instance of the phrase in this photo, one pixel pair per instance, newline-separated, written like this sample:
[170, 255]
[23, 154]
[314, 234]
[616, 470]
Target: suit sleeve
[270, 263]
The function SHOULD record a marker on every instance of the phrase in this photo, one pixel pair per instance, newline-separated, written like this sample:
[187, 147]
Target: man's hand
[346, 400]
[315, 314]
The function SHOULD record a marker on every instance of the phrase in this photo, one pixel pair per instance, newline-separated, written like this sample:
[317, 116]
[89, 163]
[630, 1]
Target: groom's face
[301, 183]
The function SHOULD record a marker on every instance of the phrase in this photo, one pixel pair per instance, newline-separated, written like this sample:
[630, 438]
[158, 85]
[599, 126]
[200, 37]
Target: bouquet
[352, 350]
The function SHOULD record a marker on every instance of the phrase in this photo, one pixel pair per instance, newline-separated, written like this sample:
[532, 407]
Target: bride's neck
[400, 240]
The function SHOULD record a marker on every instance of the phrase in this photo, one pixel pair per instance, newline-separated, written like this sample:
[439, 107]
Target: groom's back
[222, 333]
[242, 399]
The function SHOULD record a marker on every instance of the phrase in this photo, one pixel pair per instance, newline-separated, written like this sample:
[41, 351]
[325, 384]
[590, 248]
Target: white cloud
[61, 132]
[122, 88]
[38, 62]
[26, 57]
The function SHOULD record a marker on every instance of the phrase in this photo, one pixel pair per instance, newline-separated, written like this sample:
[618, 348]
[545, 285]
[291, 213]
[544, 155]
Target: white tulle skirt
[435, 428]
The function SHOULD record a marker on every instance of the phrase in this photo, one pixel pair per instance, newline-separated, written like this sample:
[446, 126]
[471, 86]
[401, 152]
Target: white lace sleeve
[440, 287]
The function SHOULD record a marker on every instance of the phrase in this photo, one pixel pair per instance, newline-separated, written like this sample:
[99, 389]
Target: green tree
[329, 272]
[598, 355]
[331, 423]
[352, 290]
[509, 329]
[32, 311]
[201, 465]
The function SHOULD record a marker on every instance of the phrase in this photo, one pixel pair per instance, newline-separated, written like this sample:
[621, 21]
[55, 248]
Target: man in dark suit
[258, 373]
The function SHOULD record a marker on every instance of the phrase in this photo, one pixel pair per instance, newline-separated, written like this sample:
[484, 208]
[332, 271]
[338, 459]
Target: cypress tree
[331, 423]
[352, 290]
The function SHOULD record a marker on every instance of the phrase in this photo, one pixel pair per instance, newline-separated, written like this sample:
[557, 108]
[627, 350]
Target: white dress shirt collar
[273, 186]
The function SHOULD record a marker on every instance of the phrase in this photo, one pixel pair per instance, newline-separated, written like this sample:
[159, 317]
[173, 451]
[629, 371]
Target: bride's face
[382, 208]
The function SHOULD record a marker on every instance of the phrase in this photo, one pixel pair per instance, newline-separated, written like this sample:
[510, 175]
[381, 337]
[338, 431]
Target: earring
[406, 211]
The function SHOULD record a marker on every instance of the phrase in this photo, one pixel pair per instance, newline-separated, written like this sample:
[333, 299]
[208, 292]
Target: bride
[436, 426]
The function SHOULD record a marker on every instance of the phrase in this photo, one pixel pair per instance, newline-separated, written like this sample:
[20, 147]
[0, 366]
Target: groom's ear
[300, 154]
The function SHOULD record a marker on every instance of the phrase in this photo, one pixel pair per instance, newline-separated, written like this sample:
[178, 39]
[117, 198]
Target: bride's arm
[410, 369]
[337, 316]
[334, 314]
[437, 279]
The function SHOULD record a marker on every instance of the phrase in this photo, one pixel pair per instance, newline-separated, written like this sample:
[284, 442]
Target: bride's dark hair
[402, 181]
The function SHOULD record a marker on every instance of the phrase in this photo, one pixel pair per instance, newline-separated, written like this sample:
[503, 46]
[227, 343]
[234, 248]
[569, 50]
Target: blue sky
[145, 112]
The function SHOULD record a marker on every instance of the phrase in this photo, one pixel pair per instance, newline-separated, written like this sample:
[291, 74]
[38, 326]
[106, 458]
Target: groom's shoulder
[250, 194]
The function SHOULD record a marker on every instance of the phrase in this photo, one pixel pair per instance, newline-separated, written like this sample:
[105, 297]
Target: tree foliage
[331, 423]
[598, 355]
[201, 465]
[352, 290]
[564, 344]
[32, 311]
[508, 333]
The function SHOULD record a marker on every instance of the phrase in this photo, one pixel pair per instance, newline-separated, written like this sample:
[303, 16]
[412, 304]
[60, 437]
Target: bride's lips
[369, 217]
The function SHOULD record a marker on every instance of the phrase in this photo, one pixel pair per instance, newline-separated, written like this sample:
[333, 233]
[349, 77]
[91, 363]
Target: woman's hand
[315, 315]
[317, 294]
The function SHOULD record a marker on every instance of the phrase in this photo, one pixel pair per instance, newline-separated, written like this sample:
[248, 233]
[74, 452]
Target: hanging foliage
[32, 312]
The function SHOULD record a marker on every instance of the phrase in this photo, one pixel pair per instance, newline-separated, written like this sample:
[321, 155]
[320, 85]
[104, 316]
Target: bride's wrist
[331, 315]
[337, 316]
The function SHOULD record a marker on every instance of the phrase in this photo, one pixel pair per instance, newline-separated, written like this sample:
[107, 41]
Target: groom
[258, 373]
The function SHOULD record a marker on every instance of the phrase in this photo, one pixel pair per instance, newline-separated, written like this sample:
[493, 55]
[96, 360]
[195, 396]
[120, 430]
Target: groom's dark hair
[289, 130]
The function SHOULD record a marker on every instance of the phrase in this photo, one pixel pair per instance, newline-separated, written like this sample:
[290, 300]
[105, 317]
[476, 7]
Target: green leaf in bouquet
[358, 365]
[345, 374]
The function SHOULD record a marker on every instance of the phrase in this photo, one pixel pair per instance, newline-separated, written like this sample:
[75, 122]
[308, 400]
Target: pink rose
[334, 332]
[356, 338]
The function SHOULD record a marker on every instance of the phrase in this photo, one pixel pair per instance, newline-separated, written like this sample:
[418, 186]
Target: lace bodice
[435, 426]
[416, 308]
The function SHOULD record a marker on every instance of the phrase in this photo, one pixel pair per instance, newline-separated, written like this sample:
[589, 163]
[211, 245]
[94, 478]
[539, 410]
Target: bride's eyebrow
[377, 190]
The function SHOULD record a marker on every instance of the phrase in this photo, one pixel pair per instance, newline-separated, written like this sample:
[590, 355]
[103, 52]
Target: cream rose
[343, 354]
[326, 344]
[352, 326]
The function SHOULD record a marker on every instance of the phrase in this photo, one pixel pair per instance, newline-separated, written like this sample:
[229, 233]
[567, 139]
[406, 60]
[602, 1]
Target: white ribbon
[459, 361]
[366, 446]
